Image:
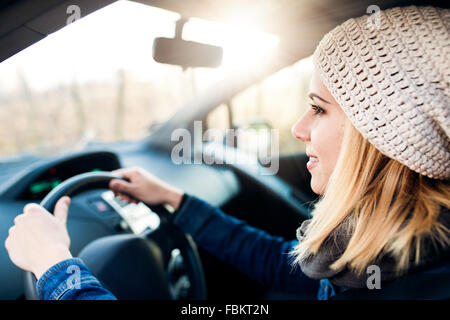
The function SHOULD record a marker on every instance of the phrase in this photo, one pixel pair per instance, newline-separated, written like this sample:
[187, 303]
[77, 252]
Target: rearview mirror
[186, 54]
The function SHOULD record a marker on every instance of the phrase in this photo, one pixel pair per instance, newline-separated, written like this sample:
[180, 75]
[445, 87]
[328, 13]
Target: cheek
[326, 142]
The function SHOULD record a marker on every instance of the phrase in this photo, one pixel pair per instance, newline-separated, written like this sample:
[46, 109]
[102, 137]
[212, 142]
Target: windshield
[96, 80]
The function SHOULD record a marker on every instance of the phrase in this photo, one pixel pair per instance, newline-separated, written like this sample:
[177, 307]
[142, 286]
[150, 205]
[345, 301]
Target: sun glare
[120, 36]
[242, 45]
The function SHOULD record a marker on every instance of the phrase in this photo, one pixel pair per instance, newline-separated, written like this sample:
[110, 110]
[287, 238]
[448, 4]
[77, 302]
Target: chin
[316, 187]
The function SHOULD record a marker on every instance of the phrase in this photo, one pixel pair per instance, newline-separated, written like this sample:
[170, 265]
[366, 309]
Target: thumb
[62, 209]
[119, 186]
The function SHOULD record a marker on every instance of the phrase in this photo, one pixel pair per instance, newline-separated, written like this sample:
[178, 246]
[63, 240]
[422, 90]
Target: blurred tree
[120, 105]
[78, 108]
[32, 135]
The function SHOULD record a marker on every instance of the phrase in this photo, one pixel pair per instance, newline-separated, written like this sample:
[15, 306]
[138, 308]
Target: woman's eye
[317, 110]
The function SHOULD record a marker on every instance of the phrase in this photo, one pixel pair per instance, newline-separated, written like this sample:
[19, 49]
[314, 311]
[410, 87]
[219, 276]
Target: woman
[377, 135]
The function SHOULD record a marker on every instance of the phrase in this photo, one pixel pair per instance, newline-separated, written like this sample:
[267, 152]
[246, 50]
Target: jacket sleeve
[260, 256]
[71, 280]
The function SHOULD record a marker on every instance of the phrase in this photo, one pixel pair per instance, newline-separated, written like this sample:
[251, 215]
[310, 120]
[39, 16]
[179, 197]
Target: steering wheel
[133, 266]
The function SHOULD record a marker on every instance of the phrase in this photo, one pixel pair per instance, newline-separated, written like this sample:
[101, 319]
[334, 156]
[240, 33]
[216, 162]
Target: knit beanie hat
[390, 73]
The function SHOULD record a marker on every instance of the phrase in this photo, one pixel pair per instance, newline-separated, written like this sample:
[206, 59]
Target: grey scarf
[317, 266]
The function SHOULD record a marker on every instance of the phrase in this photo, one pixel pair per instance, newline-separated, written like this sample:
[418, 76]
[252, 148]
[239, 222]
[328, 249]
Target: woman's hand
[145, 187]
[39, 240]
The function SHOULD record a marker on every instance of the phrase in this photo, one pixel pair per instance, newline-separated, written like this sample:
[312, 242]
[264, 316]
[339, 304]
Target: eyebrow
[314, 95]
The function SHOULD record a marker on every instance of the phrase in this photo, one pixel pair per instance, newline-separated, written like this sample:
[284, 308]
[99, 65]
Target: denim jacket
[262, 257]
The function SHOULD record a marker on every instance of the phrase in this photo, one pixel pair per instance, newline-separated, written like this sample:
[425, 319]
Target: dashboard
[38, 180]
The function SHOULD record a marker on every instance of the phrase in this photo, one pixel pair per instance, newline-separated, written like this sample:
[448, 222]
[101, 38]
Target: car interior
[276, 203]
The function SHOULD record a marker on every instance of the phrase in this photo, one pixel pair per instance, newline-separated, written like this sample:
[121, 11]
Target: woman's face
[321, 128]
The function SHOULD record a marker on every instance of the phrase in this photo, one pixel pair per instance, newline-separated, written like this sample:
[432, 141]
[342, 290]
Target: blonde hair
[385, 207]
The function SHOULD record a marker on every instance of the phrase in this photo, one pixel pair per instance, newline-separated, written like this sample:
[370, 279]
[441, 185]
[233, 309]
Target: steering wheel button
[101, 206]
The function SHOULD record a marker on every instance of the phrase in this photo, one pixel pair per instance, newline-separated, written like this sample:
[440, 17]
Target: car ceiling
[24, 22]
[300, 24]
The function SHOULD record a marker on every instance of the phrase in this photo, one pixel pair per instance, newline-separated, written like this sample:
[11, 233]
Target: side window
[272, 104]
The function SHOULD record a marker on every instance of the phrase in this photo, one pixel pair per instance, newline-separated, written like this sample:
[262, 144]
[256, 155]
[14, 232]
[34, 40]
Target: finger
[11, 230]
[127, 198]
[32, 207]
[124, 172]
[62, 209]
[6, 244]
[119, 186]
[18, 218]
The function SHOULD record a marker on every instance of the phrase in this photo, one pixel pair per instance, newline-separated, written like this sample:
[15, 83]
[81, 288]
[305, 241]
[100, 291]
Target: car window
[96, 81]
[272, 104]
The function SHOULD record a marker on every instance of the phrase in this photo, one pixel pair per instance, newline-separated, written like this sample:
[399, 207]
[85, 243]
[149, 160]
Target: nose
[301, 129]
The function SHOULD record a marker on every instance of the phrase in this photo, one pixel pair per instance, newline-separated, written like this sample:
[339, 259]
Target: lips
[312, 163]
